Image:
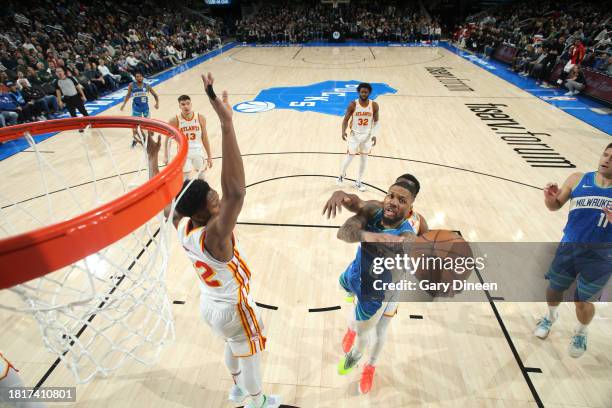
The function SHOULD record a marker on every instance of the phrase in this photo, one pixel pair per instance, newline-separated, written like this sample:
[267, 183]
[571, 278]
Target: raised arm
[347, 116]
[221, 227]
[353, 230]
[173, 121]
[153, 147]
[341, 199]
[555, 197]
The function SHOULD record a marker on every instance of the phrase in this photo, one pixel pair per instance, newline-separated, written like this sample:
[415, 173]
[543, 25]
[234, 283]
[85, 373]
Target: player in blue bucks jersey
[585, 252]
[140, 90]
[373, 224]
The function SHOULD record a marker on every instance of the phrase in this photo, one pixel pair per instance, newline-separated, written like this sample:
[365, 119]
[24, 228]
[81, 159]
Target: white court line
[569, 107]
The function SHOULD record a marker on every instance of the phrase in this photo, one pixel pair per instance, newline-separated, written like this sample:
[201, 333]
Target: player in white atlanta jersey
[205, 225]
[363, 116]
[193, 126]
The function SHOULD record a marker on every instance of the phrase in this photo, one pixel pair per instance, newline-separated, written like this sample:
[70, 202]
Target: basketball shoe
[237, 394]
[578, 344]
[270, 401]
[359, 186]
[367, 377]
[543, 327]
[348, 340]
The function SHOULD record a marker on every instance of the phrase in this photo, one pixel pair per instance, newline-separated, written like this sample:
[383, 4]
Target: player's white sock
[381, 337]
[552, 313]
[232, 363]
[582, 328]
[362, 166]
[251, 378]
[347, 160]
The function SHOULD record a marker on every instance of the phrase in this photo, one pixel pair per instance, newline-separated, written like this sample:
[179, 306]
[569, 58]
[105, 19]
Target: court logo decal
[329, 97]
[254, 107]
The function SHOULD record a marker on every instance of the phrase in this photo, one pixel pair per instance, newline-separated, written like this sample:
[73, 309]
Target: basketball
[445, 257]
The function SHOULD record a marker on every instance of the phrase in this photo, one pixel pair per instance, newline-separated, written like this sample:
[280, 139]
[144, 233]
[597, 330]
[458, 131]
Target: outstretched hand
[153, 146]
[221, 106]
[608, 212]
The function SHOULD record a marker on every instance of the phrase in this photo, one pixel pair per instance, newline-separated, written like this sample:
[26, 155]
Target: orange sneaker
[367, 376]
[348, 340]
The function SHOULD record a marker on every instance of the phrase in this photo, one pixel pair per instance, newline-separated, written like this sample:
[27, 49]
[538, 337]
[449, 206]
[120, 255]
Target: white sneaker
[543, 327]
[575, 92]
[559, 81]
[568, 93]
[237, 394]
[270, 401]
[578, 344]
[340, 180]
[359, 186]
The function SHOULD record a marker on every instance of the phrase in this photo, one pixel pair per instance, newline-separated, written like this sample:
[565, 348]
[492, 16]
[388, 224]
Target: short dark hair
[364, 85]
[138, 72]
[193, 198]
[412, 180]
[184, 98]
[609, 147]
[408, 186]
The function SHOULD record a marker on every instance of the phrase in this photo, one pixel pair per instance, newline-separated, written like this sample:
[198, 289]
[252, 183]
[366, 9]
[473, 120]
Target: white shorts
[359, 143]
[194, 161]
[238, 324]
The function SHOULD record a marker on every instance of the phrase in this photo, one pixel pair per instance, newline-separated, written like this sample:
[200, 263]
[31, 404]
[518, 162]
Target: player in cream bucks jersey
[584, 255]
[193, 125]
[205, 224]
[362, 114]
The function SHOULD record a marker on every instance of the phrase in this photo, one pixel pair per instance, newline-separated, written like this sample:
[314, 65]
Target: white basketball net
[112, 306]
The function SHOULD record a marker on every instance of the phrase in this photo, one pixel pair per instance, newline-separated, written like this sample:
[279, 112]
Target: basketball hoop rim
[32, 254]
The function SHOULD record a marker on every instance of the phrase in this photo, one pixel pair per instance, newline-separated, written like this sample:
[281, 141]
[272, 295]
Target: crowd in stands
[100, 44]
[310, 20]
[578, 34]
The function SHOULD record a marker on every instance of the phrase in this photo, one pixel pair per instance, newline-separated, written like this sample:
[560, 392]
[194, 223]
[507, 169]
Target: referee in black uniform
[72, 92]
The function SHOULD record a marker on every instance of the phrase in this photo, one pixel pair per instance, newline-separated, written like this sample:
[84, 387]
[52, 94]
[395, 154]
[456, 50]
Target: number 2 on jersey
[363, 122]
[207, 274]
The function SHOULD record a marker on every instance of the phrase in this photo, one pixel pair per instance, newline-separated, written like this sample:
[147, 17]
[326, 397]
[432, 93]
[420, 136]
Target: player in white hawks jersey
[193, 126]
[363, 116]
[205, 224]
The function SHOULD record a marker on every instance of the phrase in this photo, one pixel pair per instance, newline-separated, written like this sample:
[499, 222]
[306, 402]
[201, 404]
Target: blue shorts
[140, 114]
[590, 265]
[364, 309]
